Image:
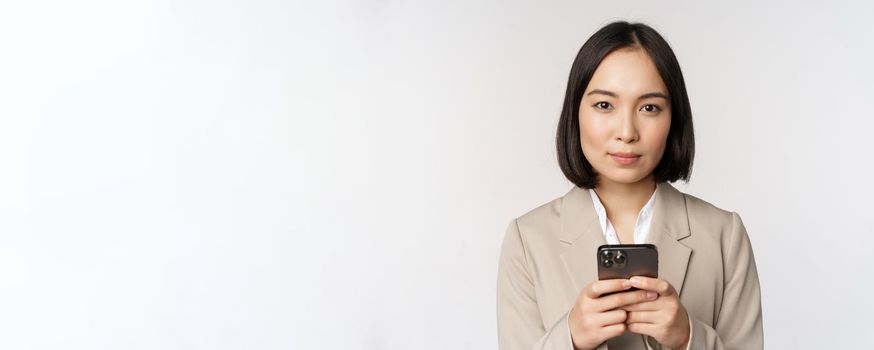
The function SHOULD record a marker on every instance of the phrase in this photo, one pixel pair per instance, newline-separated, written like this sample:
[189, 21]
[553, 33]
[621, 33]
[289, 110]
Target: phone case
[626, 260]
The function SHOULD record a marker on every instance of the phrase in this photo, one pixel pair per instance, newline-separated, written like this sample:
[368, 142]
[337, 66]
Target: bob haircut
[676, 163]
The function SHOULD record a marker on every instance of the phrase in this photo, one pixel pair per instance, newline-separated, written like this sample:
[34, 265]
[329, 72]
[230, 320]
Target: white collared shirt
[641, 227]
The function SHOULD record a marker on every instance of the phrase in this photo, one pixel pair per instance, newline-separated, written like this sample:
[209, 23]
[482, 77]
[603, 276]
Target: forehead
[628, 72]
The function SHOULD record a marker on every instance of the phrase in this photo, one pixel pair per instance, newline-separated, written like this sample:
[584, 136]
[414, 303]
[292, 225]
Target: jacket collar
[581, 235]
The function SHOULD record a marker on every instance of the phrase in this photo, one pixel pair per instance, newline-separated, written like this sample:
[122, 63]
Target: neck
[625, 198]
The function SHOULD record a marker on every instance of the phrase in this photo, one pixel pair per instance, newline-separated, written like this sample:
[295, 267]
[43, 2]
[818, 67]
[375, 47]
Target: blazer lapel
[670, 223]
[582, 233]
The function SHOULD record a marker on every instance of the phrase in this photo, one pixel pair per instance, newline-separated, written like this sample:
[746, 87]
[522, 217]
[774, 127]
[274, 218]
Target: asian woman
[625, 133]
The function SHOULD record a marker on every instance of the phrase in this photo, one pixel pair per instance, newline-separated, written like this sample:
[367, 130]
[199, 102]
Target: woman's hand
[596, 317]
[664, 319]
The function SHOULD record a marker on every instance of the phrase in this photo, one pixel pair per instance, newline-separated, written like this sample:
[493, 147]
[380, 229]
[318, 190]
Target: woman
[625, 132]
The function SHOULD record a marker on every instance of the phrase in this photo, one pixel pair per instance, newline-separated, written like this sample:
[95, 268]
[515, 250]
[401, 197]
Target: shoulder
[716, 223]
[542, 222]
[699, 209]
[542, 214]
[545, 219]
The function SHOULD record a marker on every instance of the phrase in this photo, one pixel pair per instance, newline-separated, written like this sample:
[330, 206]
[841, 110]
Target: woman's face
[625, 115]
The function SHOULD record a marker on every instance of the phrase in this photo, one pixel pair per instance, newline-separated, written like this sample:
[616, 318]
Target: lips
[624, 158]
[625, 155]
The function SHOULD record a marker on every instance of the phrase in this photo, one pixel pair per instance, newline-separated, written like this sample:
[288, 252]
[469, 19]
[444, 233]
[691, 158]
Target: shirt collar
[644, 213]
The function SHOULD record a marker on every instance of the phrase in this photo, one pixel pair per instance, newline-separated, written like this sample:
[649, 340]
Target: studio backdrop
[340, 175]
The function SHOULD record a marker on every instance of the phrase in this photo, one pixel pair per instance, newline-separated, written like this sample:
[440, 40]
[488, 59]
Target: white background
[279, 175]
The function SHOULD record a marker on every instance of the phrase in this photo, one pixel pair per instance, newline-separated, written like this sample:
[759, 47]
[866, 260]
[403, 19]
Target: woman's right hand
[596, 317]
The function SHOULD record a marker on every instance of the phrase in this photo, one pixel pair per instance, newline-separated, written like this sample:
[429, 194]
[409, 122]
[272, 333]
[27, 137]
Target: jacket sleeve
[520, 325]
[739, 322]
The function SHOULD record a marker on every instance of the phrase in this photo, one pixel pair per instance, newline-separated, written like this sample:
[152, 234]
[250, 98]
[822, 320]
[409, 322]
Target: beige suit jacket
[548, 256]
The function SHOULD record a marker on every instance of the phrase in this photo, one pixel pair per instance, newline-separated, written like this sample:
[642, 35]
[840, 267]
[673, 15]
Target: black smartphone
[626, 260]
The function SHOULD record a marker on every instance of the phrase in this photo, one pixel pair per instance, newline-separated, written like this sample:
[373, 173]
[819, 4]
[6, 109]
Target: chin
[624, 177]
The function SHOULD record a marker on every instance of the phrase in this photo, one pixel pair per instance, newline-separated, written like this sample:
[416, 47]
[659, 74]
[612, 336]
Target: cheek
[592, 133]
[657, 134]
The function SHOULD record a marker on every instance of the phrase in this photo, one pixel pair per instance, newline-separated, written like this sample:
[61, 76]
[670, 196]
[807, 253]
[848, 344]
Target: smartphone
[626, 260]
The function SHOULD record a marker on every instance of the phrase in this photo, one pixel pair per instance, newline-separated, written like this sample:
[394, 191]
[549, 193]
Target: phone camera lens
[606, 254]
[607, 263]
[620, 258]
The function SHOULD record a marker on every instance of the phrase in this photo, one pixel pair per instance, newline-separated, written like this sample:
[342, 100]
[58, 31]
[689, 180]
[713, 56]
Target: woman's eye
[602, 105]
[651, 108]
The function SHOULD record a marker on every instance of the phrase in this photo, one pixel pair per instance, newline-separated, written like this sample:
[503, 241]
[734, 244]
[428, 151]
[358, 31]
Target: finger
[611, 317]
[614, 330]
[598, 288]
[654, 305]
[643, 317]
[653, 284]
[649, 329]
[618, 300]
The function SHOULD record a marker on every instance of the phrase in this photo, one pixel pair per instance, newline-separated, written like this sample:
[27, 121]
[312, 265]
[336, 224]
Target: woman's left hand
[664, 319]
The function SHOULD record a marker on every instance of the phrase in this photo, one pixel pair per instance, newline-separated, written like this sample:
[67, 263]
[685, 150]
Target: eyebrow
[641, 97]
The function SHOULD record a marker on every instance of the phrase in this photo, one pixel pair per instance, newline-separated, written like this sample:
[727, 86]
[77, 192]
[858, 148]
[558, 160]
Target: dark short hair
[676, 163]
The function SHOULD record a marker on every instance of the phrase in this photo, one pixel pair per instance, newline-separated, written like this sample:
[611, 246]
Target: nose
[627, 131]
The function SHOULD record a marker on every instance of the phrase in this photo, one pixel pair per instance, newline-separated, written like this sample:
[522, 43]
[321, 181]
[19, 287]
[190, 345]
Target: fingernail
[651, 295]
[635, 281]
